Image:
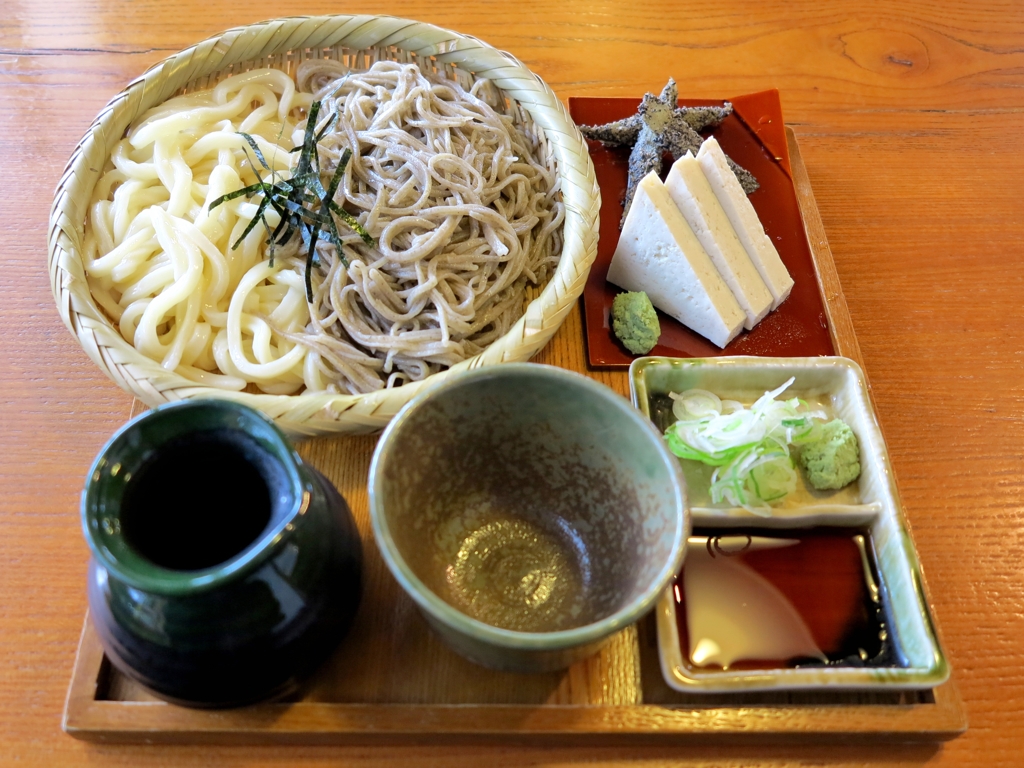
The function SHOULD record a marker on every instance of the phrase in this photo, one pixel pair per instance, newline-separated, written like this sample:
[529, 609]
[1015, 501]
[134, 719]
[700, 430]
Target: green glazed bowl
[530, 513]
[207, 593]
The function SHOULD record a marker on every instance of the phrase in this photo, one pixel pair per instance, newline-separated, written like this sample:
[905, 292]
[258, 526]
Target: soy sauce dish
[824, 590]
[530, 513]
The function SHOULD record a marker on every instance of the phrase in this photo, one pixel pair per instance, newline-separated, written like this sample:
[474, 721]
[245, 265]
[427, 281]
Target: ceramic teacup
[530, 512]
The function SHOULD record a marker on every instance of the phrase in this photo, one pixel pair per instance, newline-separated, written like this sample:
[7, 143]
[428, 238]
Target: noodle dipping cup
[530, 513]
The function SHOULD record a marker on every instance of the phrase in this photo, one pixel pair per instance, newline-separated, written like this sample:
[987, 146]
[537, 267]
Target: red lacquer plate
[755, 137]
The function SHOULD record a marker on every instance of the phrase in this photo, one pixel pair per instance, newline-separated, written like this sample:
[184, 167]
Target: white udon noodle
[463, 214]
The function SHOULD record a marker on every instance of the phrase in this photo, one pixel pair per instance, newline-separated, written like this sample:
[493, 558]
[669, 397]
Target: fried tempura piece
[659, 128]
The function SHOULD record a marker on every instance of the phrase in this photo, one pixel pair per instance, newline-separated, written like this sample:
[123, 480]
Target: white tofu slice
[659, 254]
[692, 194]
[743, 217]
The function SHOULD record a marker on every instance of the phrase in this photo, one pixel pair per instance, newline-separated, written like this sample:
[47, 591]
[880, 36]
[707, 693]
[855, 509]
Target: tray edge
[391, 724]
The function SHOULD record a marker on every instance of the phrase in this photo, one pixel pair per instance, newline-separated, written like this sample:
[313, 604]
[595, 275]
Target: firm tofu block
[744, 220]
[659, 255]
[695, 199]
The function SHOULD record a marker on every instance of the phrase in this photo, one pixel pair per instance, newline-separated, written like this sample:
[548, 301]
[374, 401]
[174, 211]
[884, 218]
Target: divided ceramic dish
[869, 506]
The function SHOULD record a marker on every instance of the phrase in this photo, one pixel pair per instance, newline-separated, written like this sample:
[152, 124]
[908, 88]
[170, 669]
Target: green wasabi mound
[831, 459]
[635, 322]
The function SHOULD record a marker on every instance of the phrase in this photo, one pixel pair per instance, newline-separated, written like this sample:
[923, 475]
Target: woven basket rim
[318, 413]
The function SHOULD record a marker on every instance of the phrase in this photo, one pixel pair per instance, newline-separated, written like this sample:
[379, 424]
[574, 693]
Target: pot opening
[201, 499]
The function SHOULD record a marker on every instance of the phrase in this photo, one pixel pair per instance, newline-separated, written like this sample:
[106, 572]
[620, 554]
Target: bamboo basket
[358, 41]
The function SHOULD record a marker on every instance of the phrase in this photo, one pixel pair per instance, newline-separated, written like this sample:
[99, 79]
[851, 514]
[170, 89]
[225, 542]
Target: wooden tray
[392, 681]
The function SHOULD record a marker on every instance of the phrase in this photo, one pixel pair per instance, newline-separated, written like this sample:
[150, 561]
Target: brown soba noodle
[463, 214]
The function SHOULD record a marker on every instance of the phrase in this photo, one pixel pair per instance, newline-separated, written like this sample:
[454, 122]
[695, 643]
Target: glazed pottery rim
[161, 580]
[512, 639]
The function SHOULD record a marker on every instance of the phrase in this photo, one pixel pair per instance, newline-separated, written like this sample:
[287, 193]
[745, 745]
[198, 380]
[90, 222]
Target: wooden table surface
[910, 118]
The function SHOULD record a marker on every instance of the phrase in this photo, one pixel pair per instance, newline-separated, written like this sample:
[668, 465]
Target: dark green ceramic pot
[224, 569]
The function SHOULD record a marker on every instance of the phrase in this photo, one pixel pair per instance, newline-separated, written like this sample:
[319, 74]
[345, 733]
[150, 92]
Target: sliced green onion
[749, 447]
[695, 403]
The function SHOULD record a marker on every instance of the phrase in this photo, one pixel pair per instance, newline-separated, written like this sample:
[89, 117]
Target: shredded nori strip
[301, 201]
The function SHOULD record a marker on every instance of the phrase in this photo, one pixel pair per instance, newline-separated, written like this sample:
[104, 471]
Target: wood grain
[909, 117]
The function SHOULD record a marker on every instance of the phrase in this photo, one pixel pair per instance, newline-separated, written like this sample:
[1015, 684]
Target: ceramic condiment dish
[868, 512]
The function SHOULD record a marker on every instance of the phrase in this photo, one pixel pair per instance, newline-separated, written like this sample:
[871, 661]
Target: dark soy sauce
[763, 599]
[199, 500]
